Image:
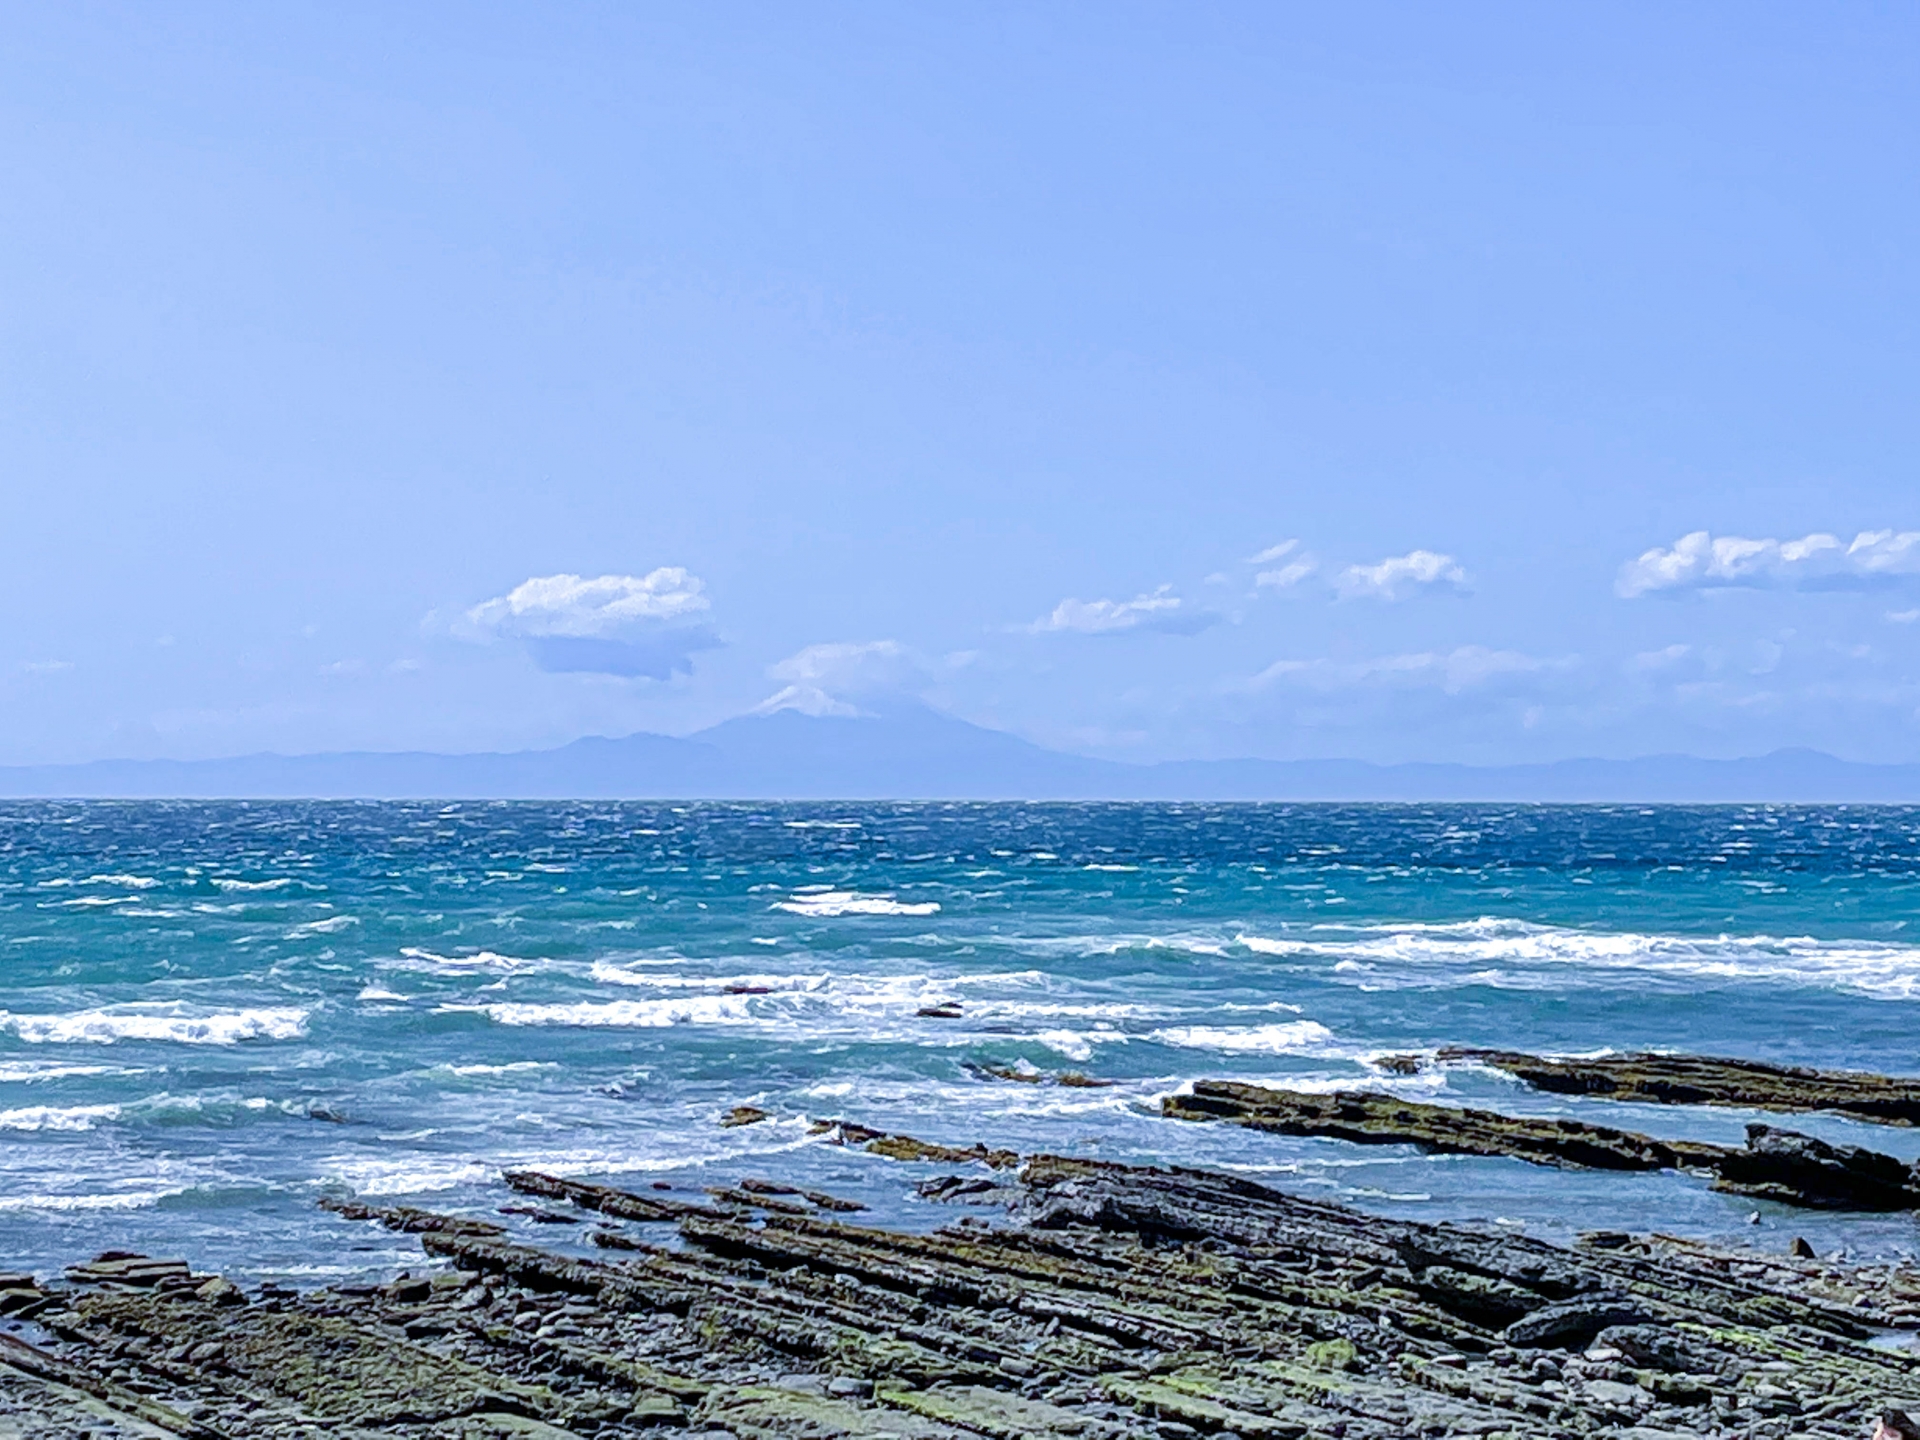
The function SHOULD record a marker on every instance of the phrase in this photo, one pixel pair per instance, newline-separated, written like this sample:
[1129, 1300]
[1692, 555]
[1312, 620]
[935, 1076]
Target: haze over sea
[211, 1014]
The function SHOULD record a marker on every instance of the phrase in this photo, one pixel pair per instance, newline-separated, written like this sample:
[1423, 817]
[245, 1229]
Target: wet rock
[407, 1219]
[945, 1010]
[1802, 1170]
[1704, 1080]
[743, 1115]
[1367, 1118]
[123, 1268]
[1775, 1164]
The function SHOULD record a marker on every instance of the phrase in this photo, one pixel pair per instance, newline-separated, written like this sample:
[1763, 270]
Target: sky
[1475, 382]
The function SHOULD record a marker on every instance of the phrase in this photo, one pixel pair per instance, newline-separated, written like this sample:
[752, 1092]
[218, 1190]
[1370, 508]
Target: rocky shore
[1065, 1298]
[1775, 1164]
[1708, 1080]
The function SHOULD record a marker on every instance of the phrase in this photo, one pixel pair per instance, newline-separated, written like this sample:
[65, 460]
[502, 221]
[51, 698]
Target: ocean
[213, 1014]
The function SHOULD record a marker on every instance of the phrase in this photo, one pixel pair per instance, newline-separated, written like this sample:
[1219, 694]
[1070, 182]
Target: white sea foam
[623, 1014]
[379, 994]
[57, 1117]
[1077, 1044]
[511, 1067]
[243, 886]
[165, 1021]
[17, 1072]
[825, 904]
[1293, 1037]
[405, 1175]
[332, 925]
[479, 960]
[119, 1200]
[1519, 954]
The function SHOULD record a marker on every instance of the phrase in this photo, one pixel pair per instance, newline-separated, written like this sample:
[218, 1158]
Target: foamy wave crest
[479, 960]
[27, 1071]
[55, 1117]
[332, 925]
[121, 1200]
[168, 1022]
[1293, 1037]
[1503, 952]
[244, 886]
[625, 1014]
[825, 904]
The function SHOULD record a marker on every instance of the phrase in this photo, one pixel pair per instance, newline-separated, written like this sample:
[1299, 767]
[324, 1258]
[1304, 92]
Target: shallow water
[211, 1014]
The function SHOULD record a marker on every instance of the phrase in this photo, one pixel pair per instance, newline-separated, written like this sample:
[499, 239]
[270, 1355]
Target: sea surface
[212, 1014]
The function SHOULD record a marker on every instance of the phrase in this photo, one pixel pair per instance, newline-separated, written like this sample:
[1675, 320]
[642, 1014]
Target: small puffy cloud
[1285, 577]
[844, 677]
[1703, 561]
[1466, 667]
[1161, 610]
[632, 626]
[1904, 617]
[1399, 576]
[578, 608]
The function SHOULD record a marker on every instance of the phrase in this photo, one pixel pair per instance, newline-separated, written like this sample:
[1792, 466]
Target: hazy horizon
[1488, 386]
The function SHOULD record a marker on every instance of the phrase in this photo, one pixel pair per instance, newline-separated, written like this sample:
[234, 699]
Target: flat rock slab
[1775, 1164]
[1707, 1080]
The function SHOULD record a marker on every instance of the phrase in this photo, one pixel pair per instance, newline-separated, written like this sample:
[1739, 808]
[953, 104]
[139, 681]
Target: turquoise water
[212, 1014]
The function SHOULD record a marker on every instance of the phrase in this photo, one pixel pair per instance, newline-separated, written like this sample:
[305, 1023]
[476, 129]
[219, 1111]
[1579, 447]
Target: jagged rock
[743, 1115]
[407, 1219]
[221, 1291]
[1367, 1118]
[119, 1267]
[1705, 1080]
[1117, 1303]
[1801, 1170]
[1572, 1324]
[1775, 1164]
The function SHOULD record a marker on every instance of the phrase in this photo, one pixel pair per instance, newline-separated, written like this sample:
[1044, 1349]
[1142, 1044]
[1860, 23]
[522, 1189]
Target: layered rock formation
[1102, 1301]
[1775, 1164]
[1705, 1080]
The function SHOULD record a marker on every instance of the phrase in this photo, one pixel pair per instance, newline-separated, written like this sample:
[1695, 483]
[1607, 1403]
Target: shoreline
[1064, 1298]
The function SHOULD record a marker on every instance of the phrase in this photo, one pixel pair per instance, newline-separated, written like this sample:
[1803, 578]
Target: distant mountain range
[919, 754]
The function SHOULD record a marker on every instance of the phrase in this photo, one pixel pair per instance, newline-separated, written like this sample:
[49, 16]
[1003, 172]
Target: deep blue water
[211, 1014]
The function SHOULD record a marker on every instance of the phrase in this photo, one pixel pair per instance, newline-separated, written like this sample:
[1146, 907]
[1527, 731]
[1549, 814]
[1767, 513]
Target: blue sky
[1394, 381]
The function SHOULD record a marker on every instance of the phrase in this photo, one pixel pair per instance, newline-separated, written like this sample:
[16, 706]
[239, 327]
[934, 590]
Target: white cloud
[1904, 617]
[1654, 661]
[1398, 576]
[1466, 667]
[1274, 552]
[833, 679]
[1287, 576]
[633, 626]
[579, 608]
[1160, 610]
[1702, 561]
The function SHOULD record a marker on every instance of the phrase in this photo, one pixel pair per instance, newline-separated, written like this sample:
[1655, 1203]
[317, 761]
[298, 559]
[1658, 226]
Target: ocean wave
[826, 904]
[17, 1072]
[379, 994]
[246, 886]
[173, 1022]
[332, 925]
[1292, 1037]
[479, 960]
[113, 1200]
[620, 1014]
[1498, 951]
[57, 1117]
